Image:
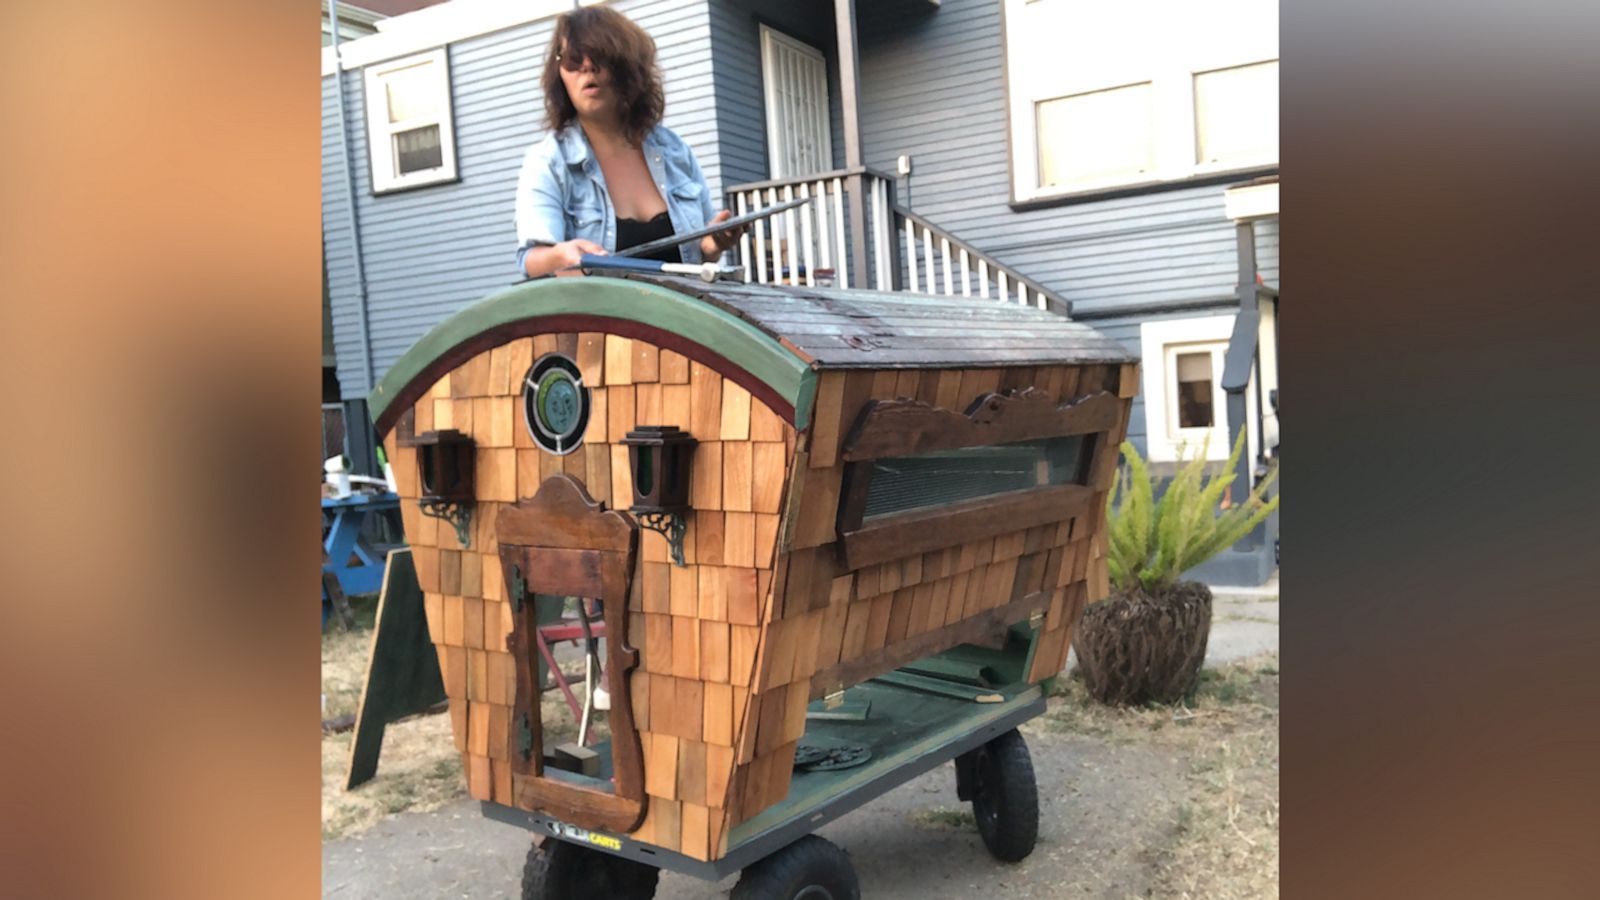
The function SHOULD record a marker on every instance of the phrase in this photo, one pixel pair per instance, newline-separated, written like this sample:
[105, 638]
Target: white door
[799, 141]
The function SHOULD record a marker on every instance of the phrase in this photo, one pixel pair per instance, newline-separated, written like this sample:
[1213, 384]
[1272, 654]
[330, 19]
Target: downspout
[350, 192]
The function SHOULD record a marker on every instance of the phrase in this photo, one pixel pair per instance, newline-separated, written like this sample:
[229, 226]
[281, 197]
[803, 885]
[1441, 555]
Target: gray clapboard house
[1117, 163]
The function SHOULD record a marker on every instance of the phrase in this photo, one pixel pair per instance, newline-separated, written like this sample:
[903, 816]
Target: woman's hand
[555, 257]
[712, 245]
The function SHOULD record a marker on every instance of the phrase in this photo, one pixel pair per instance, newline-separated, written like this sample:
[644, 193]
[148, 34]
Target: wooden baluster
[843, 255]
[761, 241]
[824, 230]
[983, 277]
[1005, 292]
[883, 230]
[966, 285]
[805, 236]
[927, 257]
[745, 261]
[911, 254]
[944, 252]
[790, 234]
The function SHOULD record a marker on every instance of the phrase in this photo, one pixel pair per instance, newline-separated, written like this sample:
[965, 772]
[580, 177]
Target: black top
[632, 233]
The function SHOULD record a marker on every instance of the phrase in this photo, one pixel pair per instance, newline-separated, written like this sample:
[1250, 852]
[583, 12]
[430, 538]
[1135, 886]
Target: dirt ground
[1163, 802]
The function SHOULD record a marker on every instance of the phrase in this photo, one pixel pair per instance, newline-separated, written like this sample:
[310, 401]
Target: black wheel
[563, 871]
[808, 869]
[1005, 797]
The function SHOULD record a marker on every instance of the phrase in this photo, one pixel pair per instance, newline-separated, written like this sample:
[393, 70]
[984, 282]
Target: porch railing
[904, 252]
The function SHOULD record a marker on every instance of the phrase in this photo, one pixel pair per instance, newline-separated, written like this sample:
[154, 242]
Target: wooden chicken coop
[832, 538]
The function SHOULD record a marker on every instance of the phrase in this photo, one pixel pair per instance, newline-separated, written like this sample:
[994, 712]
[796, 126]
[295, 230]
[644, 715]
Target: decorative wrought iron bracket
[669, 525]
[457, 514]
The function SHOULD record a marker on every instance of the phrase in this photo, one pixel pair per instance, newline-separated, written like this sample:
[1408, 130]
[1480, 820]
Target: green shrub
[1152, 543]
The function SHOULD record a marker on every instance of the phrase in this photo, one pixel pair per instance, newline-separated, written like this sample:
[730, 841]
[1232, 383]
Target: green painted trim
[721, 332]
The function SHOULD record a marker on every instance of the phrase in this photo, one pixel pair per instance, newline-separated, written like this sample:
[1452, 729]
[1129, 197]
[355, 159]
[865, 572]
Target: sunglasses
[573, 62]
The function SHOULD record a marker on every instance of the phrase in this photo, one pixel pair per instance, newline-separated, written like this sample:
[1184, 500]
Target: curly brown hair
[613, 42]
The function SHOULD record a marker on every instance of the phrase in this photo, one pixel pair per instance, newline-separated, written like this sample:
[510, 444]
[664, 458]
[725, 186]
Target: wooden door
[563, 543]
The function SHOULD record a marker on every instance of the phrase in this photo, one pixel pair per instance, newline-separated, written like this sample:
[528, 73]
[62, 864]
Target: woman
[609, 175]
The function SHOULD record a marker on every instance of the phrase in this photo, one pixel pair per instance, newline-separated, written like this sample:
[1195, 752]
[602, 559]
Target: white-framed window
[1139, 92]
[1185, 407]
[410, 128]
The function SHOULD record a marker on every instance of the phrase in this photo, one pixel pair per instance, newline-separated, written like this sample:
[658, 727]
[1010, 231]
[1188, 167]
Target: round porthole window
[555, 403]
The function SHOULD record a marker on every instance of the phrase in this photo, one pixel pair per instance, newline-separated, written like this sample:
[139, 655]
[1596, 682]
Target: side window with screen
[906, 483]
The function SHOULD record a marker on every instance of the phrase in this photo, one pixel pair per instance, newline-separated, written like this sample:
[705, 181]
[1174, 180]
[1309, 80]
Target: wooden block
[676, 405]
[773, 705]
[681, 590]
[529, 477]
[660, 765]
[621, 478]
[500, 778]
[450, 572]
[656, 583]
[908, 383]
[695, 831]
[656, 654]
[599, 428]
[878, 622]
[471, 378]
[688, 718]
[977, 382]
[478, 729]
[454, 629]
[544, 343]
[639, 682]
[471, 574]
[619, 360]
[646, 363]
[744, 738]
[710, 598]
[597, 459]
[768, 461]
[458, 723]
[647, 404]
[433, 611]
[444, 415]
[899, 616]
[480, 784]
[461, 415]
[674, 368]
[883, 383]
[691, 771]
[766, 539]
[494, 418]
[499, 731]
[825, 420]
[496, 474]
[854, 640]
[668, 824]
[794, 724]
[817, 522]
[831, 636]
[591, 358]
[737, 488]
[498, 664]
[911, 571]
[620, 413]
[705, 403]
[735, 412]
[739, 539]
[709, 536]
[947, 394]
[424, 416]
[765, 425]
[663, 703]
[575, 464]
[685, 647]
[472, 620]
[705, 477]
[867, 582]
[753, 798]
[743, 597]
[742, 643]
[426, 560]
[717, 720]
[948, 591]
[808, 642]
[719, 772]
[478, 676]
[453, 668]
[926, 612]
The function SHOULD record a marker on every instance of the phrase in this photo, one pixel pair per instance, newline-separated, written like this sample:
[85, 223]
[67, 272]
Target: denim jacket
[561, 192]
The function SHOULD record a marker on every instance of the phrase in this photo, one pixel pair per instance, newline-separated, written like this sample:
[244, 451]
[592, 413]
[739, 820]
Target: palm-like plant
[1147, 640]
[1152, 542]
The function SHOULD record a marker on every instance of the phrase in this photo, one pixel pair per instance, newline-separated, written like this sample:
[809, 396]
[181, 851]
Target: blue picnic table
[357, 564]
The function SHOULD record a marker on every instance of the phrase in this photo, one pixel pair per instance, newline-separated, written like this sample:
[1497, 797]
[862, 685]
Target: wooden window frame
[383, 169]
[899, 428]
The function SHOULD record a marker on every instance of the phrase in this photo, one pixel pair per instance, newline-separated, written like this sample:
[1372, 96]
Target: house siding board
[931, 89]
[418, 274]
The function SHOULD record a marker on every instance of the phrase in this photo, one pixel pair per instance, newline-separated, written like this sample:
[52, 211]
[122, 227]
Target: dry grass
[1224, 843]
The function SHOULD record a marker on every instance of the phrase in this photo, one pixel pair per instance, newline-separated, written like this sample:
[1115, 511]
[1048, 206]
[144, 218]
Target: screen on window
[942, 477]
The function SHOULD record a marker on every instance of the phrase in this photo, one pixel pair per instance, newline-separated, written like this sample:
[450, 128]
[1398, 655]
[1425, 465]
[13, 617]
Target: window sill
[417, 186]
[1144, 187]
